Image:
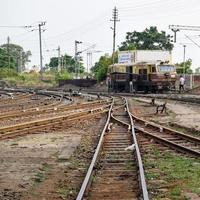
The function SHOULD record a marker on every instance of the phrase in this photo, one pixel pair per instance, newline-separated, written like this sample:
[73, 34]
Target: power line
[16, 26]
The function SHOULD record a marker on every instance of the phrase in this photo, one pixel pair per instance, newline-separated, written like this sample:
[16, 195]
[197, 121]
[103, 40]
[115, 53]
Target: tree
[149, 39]
[68, 62]
[17, 56]
[101, 67]
[184, 67]
[4, 59]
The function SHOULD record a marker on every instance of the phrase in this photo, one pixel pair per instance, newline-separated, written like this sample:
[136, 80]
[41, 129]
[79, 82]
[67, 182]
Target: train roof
[140, 63]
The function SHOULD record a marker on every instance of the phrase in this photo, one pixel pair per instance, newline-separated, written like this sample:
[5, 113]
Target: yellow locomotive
[142, 76]
[142, 70]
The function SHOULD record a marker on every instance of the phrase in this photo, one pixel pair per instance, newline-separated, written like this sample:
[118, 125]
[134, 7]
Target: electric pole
[76, 57]
[114, 19]
[184, 46]
[8, 51]
[59, 65]
[40, 41]
[176, 28]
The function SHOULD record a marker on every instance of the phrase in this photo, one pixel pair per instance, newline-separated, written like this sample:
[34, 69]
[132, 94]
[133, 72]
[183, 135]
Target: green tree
[68, 63]
[4, 59]
[101, 67]
[184, 67]
[149, 39]
[17, 56]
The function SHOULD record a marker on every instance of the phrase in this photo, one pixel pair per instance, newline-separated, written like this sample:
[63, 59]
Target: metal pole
[114, 19]
[40, 41]
[8, 51]
[58, 58]
[184, 70]
[75, 58]
[88, 61]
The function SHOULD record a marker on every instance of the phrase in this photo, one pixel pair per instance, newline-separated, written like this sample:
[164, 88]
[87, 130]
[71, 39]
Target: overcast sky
[89, 21]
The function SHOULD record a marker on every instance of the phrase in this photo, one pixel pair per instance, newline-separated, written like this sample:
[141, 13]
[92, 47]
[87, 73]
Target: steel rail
[169, 131]
[39, 125]
[169, 143]
[51, 107]
[166, 141]
[141, 177]
[44, 121]
[139, 158]
[94, 159]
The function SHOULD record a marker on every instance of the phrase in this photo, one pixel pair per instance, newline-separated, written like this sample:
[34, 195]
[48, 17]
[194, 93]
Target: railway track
[115, 173]
[174, 139]
[57, 108]
[42, 124]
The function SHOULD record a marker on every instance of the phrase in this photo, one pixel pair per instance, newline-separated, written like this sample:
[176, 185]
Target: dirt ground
[182, 115]
[37, 167]
[23, 159]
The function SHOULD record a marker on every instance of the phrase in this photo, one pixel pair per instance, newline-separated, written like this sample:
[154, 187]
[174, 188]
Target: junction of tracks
[58, 145]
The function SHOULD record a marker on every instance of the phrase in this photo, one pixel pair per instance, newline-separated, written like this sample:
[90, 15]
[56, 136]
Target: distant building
[197, 70]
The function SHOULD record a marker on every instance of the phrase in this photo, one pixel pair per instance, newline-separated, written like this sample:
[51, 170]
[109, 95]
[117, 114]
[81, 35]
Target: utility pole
[114, 19]
[59, 65]
[76, 57]
[176, 28]
[40, 41]
[19, 61]
[184, 46]
[89, 61]
[8, 51]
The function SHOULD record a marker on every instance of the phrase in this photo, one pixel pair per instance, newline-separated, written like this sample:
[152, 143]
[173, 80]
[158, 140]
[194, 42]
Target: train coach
[141, 76]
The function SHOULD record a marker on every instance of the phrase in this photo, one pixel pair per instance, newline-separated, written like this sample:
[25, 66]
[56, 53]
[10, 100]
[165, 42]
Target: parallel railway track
[54, 107]
[115, 173]
[31, 127]
[168, 137]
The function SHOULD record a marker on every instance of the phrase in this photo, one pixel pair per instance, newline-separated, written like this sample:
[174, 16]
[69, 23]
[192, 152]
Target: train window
[153, 69]
[129, 69]
[167, 68]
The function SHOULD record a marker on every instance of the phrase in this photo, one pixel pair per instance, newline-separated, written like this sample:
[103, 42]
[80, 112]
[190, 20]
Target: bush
[101, 74]
[6, 72]
[63, 75]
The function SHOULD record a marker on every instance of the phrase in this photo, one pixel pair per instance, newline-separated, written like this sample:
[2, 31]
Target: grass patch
[66, 193]
[40, 176]
[182, 173]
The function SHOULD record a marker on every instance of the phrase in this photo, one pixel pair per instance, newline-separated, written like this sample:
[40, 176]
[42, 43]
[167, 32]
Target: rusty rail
[87, 181]
[158, 133]
[139, 159]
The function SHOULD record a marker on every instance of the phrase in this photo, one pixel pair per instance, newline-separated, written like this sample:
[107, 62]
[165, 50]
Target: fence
[191, 80]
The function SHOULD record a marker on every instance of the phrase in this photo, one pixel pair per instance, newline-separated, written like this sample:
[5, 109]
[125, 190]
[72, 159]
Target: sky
[88, 21]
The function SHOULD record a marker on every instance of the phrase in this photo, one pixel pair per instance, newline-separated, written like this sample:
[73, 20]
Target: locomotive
[148, 75]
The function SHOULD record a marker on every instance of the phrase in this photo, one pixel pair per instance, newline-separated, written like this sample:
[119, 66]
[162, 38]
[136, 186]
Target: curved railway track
[174, 139]
[115, 173]
[42, 124]
[55, 107]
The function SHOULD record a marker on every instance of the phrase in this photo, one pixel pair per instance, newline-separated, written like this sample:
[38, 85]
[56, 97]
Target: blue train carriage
[141, 76]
